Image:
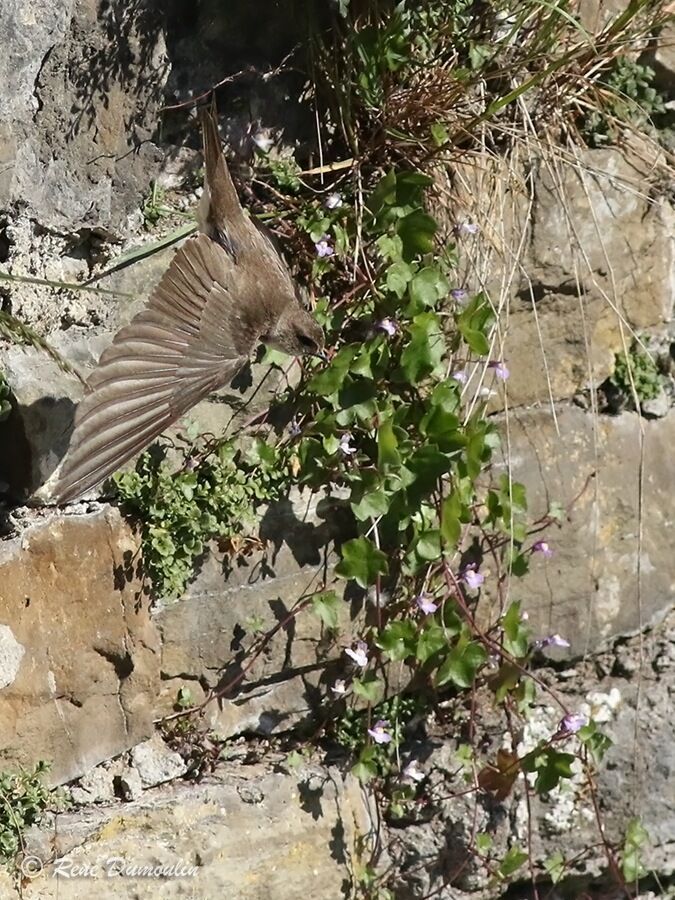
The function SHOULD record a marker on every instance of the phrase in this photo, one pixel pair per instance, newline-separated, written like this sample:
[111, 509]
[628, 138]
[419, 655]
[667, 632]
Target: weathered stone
[156, 763]
[611, 572]
[129, 785]
[85, 684]
[600, 252]
[96, 786]
[80, 109]
[205, 635]
[295, 841]
[572, 256]
[11, 654]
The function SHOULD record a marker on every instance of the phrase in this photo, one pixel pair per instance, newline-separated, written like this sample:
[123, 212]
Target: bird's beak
[322, 355]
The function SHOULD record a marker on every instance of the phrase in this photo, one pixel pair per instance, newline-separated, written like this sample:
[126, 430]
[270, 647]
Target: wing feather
[191, 339]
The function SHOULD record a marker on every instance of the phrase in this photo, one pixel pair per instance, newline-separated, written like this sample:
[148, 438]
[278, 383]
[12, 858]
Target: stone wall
[87, 663]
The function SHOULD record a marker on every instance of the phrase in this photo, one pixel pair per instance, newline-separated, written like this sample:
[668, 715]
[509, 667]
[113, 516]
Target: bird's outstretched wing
[191, 339]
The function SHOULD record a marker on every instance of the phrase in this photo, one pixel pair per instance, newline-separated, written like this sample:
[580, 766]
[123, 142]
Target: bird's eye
[307, 343]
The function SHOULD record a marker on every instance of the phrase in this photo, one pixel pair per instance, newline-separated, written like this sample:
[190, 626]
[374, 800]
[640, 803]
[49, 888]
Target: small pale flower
[333, 201]
[412, 773]
[388, 326]
[346, 448]
[553, 640]
[379, 732]
[262, 141]
[426, 604]
[379, 599]
[324, 248]
[462, 377]
[500, 370]
[471, 578]
[340, 687]
[358, 654]
[570, 724]
[542, 547]
[459, 294]
[464, 228]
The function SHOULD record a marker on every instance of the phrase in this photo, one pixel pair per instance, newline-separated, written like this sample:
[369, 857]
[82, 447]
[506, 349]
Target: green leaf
[366, 768]
[430, 641]
[551, 766]
[428, 286]
[636, 838]
[398, 640]
[516, 633]
[417, 231]
[462, 663]
[369, 687]
[326, 607]
[425, 350]
[451, 526]
[397, 278]
[597, 743]
[483, 843]
[439, 134]
[330, 380]
[371, 505]
[387, 446]
[555, 866]
[384, 194]
[428, 545]
[513, 860]
[362, 561]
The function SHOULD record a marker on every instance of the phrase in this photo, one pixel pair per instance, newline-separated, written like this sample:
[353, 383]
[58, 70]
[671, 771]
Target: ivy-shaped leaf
[362, 561]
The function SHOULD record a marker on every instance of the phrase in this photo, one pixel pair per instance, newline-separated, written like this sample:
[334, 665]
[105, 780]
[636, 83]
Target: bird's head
[296, 333]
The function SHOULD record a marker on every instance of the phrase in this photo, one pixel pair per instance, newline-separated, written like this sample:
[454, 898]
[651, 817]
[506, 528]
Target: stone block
[246, 833]
[79, 651]
[612, 571]
[205, 635]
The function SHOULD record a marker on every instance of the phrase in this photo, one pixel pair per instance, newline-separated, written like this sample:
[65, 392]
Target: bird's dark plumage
[225, 290]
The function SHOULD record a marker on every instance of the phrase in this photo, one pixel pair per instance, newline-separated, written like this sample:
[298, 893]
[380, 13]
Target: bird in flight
[226, 290]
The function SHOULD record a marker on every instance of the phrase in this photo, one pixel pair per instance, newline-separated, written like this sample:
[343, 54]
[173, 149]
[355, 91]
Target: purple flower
[459, 294]
[471, 578]
[500, 370]
[553, 640]
[464, 228]
[323, 247]
[542, 547]
[340, 686]
[412, 773]
[570, 724]
[359, 654]
[426, 604]
[462, 377]
[294, 428]
[379, 732]
[346, 448]
[333, 201]
[388, 326]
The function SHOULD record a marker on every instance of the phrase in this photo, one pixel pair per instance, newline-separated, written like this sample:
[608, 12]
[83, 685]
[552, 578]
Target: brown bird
[225, 291]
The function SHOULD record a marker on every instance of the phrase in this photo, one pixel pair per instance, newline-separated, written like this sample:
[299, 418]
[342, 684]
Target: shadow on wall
[132, 29]
[211, 41]
[33, 440]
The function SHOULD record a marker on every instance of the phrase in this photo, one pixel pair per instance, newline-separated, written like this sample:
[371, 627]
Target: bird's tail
[223, 211]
